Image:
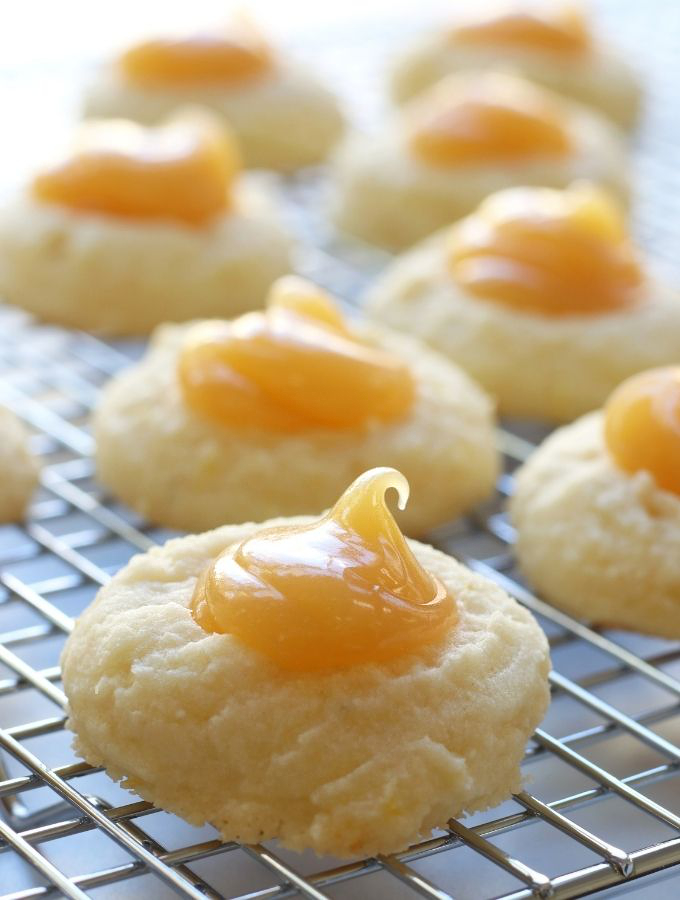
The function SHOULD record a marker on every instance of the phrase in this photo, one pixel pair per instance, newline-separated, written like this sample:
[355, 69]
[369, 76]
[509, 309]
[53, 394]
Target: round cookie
[18, 468]
[136, 226]
[353, 762]
[598, 77]
[536, 366]
[284, 120]
[385, 195]
[601, 543]
[180, 469]
[120, 277]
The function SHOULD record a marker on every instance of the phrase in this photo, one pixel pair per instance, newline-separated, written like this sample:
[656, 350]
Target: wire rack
[601, 806]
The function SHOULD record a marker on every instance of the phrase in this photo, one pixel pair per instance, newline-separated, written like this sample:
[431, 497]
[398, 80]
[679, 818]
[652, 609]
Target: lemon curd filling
[339, 592]
[558, 30]
[642, 425]
[550, 252]
[498, 119]
[181, 171]
[236, 55]
[292, 367]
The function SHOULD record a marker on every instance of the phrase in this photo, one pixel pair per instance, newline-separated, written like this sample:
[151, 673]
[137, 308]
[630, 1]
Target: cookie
[359, 761]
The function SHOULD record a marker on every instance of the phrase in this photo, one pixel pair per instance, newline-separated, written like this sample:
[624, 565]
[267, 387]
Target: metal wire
[610, 759]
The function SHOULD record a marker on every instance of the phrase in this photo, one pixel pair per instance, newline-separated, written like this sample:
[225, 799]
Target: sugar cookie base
[385, 196]
[18, 468]
[186, 471]
[120, 277]
[600, 543]
[536, 366]
[602, 80]
[356, 762]
[282, 122]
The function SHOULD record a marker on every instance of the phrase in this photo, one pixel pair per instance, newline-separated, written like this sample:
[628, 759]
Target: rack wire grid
[601, 805]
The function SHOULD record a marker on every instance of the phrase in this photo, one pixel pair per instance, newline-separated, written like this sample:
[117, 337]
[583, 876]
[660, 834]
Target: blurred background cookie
[18, 468]
[552, 43]
[541, 295]
[137, 226]
[466, 137]
[281, 113]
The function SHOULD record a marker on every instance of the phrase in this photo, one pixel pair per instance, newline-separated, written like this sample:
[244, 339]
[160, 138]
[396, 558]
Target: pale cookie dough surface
[18, 468]
[282, 121]
[601, 543]
[385, 196]
[356, 762]
[122, 277]
[190, 472]
[601, 79]
[552, 368]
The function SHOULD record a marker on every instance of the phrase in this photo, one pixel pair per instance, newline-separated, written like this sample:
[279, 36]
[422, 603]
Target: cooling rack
[600, 810]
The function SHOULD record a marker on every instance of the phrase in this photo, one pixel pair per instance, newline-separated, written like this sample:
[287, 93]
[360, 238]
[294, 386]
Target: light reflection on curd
[559, 30]
[293, 367]
[212, 59]
[496, 118]
[642, 425]
[548, 252]
[181, 171]
[341, 591]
